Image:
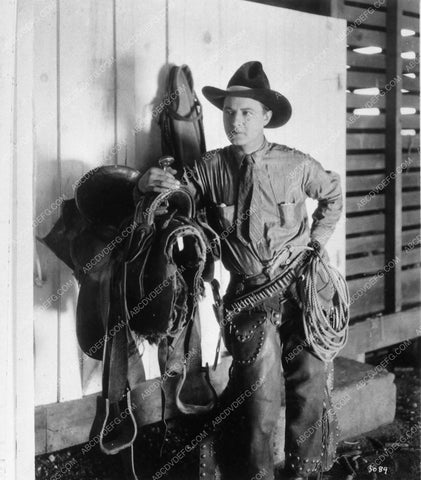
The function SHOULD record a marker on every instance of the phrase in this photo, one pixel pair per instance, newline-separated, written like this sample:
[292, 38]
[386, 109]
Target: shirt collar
[257, 154]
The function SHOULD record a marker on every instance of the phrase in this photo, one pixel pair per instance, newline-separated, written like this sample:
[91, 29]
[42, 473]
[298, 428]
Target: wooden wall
[379, 141]
[16, 244]
[99, 71]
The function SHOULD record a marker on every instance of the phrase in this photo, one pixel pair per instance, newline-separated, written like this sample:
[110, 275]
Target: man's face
[244, 120]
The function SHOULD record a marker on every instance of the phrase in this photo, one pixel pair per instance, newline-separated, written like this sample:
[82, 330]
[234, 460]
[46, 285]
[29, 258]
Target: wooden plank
[382, 331]
[151, 49]
[411, 286]
[354, 204]
[87, 137]
[20, 314]
[375, 243]
[410, 143]
[411, 199]
[365, 80]
[410, 22]
[361, 101]
[364, 243]
[47, 204]
[410, 238]
[410, 100]
[367, 223]
[375, 263]
[411, 84]
[367, 295]
[411, 180]
[361, 60]
[393, 191]
[8, 413]
[370, 264]
[361, 37]
[413, 158]
[411, 6]
[410, 44]
[369, 182]
[411, 65]
[378, 80]
[125, 71]
[369, 3]
[411, 256]
[411, 121]
[411, 217]
[366, 121]
[377, 18]
[366, 141]
[374, 161]
[364, 183]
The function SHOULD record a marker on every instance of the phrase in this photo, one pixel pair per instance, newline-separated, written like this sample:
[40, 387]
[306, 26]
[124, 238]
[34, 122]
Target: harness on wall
[181, 121]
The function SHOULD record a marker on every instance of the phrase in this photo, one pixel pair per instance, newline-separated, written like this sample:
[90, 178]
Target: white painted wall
[16, 245]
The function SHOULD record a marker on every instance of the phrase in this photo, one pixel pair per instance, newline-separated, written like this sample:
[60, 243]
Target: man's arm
[195, 180]
[324, 186]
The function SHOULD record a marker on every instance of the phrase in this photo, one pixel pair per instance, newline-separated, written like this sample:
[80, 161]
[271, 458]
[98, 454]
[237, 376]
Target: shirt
[284, 177]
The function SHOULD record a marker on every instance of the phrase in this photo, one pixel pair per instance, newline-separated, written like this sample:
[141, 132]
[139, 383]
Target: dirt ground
[360, 458]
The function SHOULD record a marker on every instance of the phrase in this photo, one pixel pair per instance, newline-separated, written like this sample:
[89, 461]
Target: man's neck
[251, 147]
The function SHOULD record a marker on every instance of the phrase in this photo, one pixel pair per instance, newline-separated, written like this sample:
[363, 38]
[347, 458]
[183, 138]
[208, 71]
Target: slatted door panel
[367, 88]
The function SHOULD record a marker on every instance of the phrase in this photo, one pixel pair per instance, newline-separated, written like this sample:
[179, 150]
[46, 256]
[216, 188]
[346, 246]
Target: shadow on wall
[56, 179]
[138, 142]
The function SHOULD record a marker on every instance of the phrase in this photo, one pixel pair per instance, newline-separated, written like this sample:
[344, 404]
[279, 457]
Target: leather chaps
[262, 347]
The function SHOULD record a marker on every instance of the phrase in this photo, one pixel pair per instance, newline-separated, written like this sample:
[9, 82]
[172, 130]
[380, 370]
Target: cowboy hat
[251, 81]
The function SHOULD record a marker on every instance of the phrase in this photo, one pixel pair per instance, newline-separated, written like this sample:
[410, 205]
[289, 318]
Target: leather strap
[119, 428]
[208, 468]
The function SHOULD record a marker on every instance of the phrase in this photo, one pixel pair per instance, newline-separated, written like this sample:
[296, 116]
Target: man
[254, 192]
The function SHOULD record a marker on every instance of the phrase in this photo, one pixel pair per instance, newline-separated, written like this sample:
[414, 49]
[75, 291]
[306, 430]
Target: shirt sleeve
[196, 180]
[324, 186]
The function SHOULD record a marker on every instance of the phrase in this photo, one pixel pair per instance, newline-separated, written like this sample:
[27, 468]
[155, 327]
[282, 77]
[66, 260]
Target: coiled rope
[326, 331]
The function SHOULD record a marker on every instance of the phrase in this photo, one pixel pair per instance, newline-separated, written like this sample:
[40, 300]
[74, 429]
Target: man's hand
[315, 245]
[156, 180]
[318, 249]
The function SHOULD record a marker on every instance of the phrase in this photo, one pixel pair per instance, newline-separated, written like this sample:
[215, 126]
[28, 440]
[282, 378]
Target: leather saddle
[153, 265]
[83, 239]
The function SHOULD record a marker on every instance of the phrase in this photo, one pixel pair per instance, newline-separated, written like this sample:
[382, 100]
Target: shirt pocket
[225, 215]
[288, 214]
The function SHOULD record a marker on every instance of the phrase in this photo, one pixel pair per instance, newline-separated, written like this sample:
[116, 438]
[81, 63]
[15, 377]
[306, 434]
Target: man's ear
[267, 116]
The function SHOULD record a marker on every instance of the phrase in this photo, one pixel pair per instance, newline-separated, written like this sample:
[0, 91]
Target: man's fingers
[158, 189]
[163, 178]
[156, 180]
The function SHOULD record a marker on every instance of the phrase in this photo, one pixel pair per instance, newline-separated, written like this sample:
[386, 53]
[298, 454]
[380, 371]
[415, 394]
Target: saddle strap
[118, 428]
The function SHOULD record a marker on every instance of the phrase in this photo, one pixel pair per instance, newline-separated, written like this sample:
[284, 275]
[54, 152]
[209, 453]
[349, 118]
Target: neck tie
[249, 226]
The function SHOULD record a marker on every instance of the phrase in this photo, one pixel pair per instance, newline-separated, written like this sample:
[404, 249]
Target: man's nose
[237, 120]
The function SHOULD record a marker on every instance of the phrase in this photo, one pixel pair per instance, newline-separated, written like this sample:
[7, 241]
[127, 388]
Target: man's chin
[238, 140]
